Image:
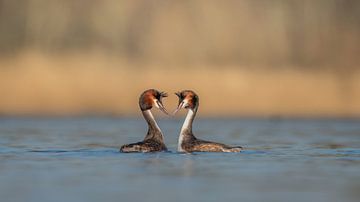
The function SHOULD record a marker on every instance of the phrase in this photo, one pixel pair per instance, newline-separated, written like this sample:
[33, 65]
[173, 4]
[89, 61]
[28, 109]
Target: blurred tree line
[267, 33]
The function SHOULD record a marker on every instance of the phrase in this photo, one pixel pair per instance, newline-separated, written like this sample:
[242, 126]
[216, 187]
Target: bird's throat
[154, 131]
[186, 129]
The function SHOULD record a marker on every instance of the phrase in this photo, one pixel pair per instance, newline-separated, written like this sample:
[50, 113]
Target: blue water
[77, 159]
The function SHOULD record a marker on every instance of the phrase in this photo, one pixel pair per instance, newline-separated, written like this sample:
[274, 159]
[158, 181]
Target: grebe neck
[154, 131]
[186, 129]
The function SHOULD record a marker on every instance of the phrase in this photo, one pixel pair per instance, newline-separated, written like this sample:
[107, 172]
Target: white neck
[151, 120]
[188, 120]
[185, 128]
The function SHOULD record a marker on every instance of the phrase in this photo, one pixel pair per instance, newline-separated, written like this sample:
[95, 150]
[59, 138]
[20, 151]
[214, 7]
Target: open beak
[178, 108]
[161, 107]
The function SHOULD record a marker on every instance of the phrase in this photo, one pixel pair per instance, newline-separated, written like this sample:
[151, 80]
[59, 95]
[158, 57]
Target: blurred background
[264, 58]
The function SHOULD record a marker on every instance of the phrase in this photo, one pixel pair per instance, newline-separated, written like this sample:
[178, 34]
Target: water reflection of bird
[154, 139]
[187, 141]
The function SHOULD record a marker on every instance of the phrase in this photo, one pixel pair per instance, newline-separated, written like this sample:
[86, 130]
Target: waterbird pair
[154, 139]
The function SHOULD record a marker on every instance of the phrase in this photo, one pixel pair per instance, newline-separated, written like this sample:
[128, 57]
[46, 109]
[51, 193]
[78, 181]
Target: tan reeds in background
[247, 58]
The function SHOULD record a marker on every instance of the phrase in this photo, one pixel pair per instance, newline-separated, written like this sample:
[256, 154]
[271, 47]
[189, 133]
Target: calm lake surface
[77, 159]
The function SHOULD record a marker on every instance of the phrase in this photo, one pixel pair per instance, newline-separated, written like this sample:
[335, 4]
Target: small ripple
[350, 151]
[254, 152]
[329, 146]
[76, 152]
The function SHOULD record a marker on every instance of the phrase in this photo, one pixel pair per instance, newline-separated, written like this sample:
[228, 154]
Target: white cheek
[186, 103]
[156, 104]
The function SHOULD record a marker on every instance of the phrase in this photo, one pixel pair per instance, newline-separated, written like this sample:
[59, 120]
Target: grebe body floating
[154, 139]
[187, 141]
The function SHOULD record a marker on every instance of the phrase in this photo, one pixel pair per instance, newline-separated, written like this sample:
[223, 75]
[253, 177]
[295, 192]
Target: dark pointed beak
[178, 108]
[161, 107]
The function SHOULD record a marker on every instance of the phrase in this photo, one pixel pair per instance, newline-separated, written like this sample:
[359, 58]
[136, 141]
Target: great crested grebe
[187, 141]
[154, 140]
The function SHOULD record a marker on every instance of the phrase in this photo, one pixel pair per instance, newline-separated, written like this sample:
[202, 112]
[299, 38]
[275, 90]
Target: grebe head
[187, 100]
[150, 98]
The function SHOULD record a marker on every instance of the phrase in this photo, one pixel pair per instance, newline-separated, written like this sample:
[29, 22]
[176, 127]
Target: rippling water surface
[77, 159]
